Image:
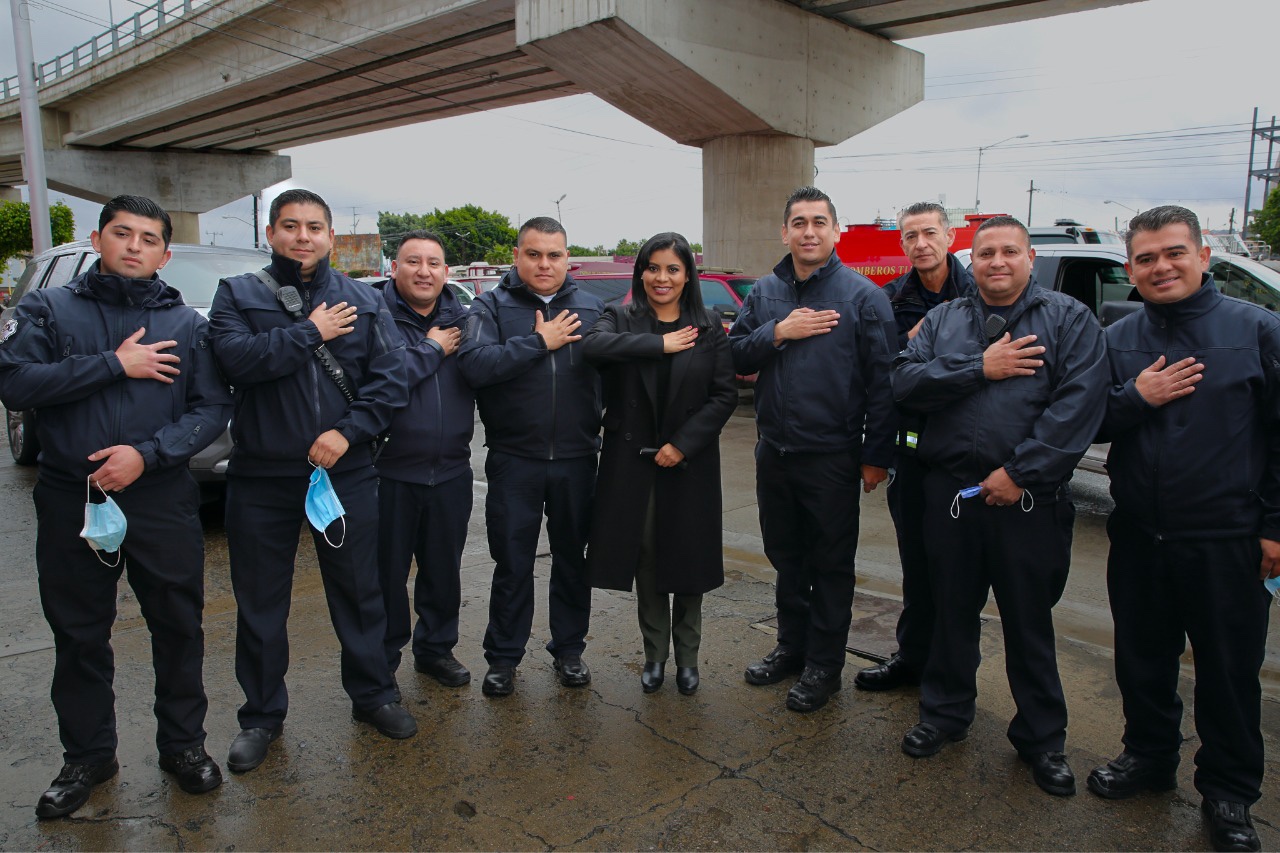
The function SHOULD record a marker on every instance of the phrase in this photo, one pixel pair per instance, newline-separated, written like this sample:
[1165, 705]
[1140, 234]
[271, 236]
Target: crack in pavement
[170, 828]
[546, 845]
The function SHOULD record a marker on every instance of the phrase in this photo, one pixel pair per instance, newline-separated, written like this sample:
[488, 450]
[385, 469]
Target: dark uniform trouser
[264, 515]
[809, 520]
[519, 489]
[164, 561]
[1024, 557]
[664, 618]
[1163, 593]
[906, 506]
[429, 524]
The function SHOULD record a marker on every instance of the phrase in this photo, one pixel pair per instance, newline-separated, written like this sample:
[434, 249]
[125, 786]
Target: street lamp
[252, 226]
[1125, 206]
[977, 204]
[557, 204]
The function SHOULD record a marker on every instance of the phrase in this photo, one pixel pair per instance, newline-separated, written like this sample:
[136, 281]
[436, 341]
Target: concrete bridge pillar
[184, 183]
[757, 84]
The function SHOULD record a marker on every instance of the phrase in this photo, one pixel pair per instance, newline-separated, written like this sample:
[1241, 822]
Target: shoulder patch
[9, 329]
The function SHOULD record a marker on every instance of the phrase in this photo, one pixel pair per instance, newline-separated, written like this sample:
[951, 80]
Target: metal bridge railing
[125, 34]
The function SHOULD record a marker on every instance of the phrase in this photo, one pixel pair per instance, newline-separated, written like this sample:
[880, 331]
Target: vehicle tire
[22, 441]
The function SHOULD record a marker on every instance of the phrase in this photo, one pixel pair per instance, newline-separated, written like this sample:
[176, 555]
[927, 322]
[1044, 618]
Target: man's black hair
[543, 225]
[298, 197]
[1159, 217]
[1002, 222]
[139, 206]
[808, 194]
[421, 234]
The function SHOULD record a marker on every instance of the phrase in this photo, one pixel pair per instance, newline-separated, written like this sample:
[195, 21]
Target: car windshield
[742, 286]
[196, 274]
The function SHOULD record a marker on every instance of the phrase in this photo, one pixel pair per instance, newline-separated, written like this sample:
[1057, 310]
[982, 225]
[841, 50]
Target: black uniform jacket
[1206, 465]
[909, 306]
[284, 398]
[60, 361]
[1036, 427]
[700, 398]
[535, 403]
[828, 393]
[430, 440]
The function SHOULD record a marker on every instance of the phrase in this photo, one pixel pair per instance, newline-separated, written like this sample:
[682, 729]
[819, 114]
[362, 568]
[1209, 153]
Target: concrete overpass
[189, 102]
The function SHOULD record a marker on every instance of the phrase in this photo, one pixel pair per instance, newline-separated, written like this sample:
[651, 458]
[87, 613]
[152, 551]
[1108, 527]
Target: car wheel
[22, 444]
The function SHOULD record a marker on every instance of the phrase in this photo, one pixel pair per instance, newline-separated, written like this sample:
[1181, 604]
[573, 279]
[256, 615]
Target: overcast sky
[1142, 104]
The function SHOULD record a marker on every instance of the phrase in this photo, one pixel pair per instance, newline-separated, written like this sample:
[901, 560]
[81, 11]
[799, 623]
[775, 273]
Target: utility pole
[1030, 195]
[354, 220]
[32, 132]
[1268, 174]
[213, 237]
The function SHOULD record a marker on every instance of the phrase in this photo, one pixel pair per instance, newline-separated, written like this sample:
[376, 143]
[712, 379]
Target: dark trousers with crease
[809, 520]
[1162, 594]
[1024, 558]
[163, 558]
[427, 524]
[520, 490]
[906, 506]
[264, 517]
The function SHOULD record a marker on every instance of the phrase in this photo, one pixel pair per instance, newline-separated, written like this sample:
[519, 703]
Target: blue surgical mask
[323, 506]
[104, 525]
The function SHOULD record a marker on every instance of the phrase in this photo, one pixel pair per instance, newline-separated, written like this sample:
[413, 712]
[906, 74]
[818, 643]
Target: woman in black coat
[669, 389]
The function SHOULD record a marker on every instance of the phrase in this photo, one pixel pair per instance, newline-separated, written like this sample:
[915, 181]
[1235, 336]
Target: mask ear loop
[325, 533]
[955, 506]
[1022, 502]
[88, 493]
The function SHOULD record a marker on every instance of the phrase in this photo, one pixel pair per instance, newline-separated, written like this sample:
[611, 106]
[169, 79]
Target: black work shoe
[775, 666]
[1051, 772]
[1127, 774]
[891, 674]
[687, 679]
[196, 771]
[813, 689]
[925, 739]
[391, 720]
[445, 669]
[572, 672]
[71, 789]
[653, 675]
[500, 680]
[1230, 827]
[249, 748]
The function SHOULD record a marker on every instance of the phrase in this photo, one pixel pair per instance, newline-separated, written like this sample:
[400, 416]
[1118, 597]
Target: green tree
[628, 247]
[500, 254]
[576, 251]
[1266, 222]
[15, 228]
[469, 232]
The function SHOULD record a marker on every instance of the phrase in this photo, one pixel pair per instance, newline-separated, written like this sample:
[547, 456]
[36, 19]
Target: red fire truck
[875, 249]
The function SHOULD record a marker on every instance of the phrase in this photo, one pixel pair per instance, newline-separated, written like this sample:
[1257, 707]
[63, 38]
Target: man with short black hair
[424, 490]
[540, 404]
[119, 372]
[1194, 423]
[317, 370]
[935, 278]
[1013, 381]
[821, 337]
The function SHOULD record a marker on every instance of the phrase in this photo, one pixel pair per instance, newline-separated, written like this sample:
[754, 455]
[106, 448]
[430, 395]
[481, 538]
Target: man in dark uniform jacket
[822, 338]
[121, 377]
[540, 404]
[1013, 381]
[1194, 423]
[935, 278]
[292, 418]
[424, 490]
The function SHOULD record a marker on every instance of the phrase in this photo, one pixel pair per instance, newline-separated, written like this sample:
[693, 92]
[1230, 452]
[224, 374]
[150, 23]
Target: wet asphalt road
[606, 767]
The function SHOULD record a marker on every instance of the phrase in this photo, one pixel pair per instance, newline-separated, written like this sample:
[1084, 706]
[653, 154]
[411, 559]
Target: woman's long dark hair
[690, 298]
